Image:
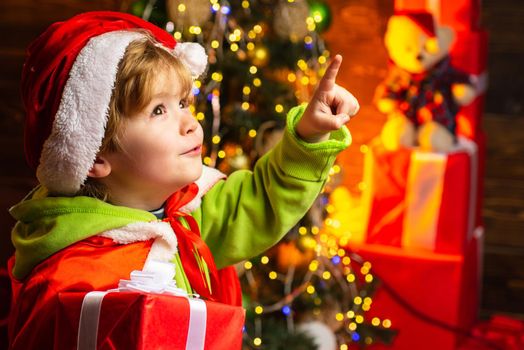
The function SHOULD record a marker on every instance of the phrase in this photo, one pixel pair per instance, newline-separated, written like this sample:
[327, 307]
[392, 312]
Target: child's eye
[159, 110]
[184, 103]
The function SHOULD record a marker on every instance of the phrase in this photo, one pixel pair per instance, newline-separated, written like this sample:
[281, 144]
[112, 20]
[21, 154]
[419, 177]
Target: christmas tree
[266, 56]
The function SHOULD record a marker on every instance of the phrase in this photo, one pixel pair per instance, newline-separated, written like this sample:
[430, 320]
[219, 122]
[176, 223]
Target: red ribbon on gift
[198, 262]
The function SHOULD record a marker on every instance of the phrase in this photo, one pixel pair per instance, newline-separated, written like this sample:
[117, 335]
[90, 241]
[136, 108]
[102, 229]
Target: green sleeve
[249, 212]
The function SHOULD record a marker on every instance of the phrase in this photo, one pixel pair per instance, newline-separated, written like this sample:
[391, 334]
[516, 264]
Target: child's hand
[330, 107]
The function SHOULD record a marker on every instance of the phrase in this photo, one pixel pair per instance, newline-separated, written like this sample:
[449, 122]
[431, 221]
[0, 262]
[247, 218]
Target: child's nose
[190, 124]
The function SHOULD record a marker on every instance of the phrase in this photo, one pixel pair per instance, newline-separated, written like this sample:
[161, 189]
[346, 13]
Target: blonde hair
[133, 90]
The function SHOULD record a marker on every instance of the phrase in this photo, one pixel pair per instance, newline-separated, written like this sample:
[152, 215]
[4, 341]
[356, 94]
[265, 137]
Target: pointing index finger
[328, 80]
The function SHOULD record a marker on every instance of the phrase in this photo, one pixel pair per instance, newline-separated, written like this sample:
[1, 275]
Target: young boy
[118, 156]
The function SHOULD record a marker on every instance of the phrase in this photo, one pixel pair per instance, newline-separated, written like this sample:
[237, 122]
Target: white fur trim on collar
[79, 124]
[209, 177]
[164, 247]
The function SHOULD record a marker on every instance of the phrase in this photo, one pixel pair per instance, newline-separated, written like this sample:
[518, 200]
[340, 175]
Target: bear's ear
[446, 36]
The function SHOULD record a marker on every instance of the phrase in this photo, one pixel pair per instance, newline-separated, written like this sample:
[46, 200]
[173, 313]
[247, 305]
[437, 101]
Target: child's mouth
[196, 151]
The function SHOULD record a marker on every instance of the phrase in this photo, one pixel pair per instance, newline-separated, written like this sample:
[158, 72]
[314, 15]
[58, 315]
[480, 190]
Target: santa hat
[422, 19]
[67, 83]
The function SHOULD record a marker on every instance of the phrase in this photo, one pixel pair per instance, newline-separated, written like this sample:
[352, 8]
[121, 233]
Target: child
[118, 153]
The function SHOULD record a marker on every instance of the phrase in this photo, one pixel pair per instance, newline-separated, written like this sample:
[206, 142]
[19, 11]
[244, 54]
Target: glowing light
[207, 160]
[216, 76]
[302, 64]
[248, 265]
[257, 341]
[257, 82]
[339, 316]
[221, 154]
[367, 300]
[386, 323]
[304, 80]
[364, 149]
[302, 230]
[215, 7]
[368, 340]
[322, 60]
[286, 310]
[245, 106]
[343, 347]
[315, 230]
[291, 77]
[375, 321]
[359, 319]
[225, 10]
[366, 307]
[251, 34]
[279, 108]
[264, 260]
[313, 266]
[346, 260]
[257, 28]
[253, 70]
[234, 47]
[335, 260]
[177, 35]
[308, 40]
[273, 275]
[259, 309]
[357, 300]
[326, 275]
[341, 252]
[250, 46]
[245, 4]
[181, 8]
[252, 133]
[317, 16]
[352, 326]
[364, 270]
[369, 278]
[246, 90]
[170, 26]
[215, 139]
[200, 116]
[350, 314]
[355, 337]
[310, 289]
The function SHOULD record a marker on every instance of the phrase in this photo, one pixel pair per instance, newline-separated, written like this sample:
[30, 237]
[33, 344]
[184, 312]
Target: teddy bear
[422, 92]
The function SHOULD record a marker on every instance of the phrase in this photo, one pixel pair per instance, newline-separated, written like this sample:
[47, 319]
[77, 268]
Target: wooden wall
[503, 282]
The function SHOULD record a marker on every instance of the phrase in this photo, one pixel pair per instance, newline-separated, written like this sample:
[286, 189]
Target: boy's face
[161, 148]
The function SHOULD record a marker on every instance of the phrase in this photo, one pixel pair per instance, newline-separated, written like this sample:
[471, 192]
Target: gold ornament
[290, 20]
[186, 13]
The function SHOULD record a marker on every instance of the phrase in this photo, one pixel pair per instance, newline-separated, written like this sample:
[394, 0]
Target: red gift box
[500, 332]
[130, 320]
[418, 199]
[441, 287]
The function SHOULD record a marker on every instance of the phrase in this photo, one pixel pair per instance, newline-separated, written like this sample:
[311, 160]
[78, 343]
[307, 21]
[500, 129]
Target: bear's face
[411, 49]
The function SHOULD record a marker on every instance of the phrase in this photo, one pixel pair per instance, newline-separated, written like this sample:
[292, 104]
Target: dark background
[503, 279]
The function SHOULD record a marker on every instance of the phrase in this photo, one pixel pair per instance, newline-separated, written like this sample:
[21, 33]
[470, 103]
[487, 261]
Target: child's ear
[101, 168]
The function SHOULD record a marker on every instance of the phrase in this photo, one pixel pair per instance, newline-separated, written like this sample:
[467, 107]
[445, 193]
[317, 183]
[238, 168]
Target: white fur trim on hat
[193, 56]
[79, 125]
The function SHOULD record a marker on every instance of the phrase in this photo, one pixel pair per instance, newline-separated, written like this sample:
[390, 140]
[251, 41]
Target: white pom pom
[193, 56]
[322, 335]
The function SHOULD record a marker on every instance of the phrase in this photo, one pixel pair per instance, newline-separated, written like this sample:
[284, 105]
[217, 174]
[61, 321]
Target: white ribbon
[156, 278]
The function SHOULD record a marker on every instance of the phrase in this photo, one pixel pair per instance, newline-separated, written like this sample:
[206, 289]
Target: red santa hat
[422, 19]
[67, 83]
